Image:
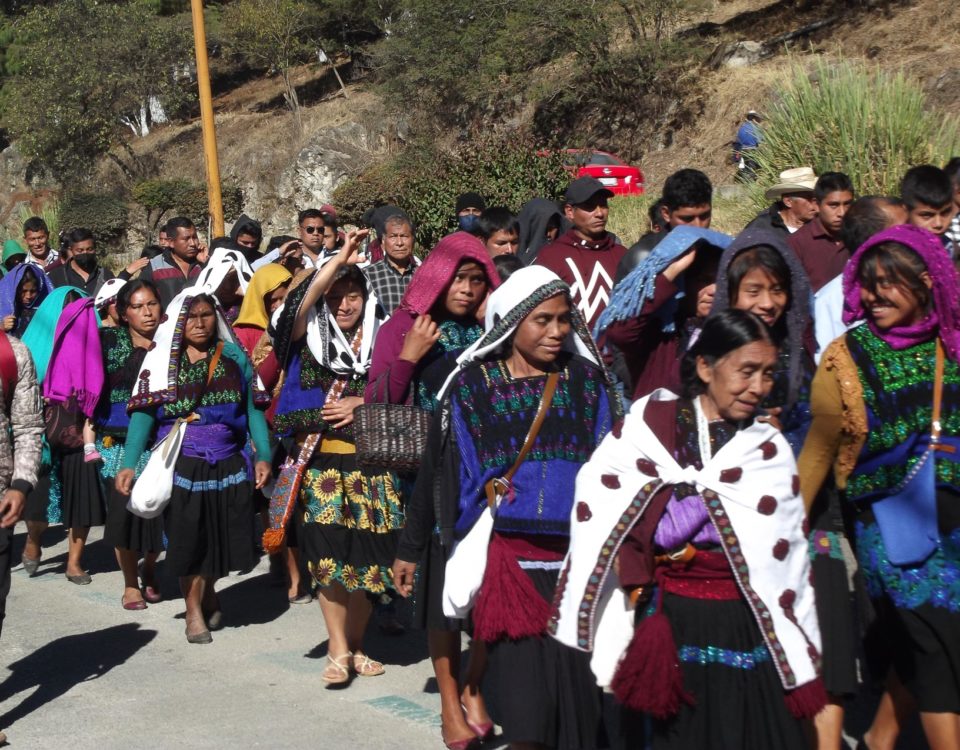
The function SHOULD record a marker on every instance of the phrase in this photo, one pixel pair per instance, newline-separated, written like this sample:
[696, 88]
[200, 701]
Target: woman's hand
[772, 416]
[9, 321]
[420, 339]
[349, 253]
[137, 265]
[403, 573]
[680, 265]
[705, 300]
[340, 413]
[261, 473]
[124, 481]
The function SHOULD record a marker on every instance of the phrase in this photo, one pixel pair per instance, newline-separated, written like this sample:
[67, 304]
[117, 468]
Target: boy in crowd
[952, 169]
[928, 193]
[499, 230]
[687, 199]
[818, 243]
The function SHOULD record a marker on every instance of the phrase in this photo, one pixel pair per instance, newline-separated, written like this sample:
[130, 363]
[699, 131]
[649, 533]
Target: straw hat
[799, 180]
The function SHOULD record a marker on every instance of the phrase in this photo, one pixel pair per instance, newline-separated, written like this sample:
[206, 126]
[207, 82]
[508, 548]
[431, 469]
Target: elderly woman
[536, 358]
[348, 517]
[874, 400]
[689, 515]
[194, 370]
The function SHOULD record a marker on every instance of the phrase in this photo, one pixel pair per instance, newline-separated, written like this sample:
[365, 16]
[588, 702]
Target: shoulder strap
[937, 395]
[8, 370]
[502, 484]
[213, 363]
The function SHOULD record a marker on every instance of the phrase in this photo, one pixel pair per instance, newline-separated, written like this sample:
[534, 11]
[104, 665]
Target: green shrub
[104, 214]
[424, 181]
[865, 122]
[164, 198]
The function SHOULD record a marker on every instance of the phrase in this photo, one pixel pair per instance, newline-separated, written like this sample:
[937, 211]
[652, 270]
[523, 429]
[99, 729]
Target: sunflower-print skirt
[349, 521]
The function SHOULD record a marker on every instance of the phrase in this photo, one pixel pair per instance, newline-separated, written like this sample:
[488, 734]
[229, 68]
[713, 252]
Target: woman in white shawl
[688, 576]
[347, 518]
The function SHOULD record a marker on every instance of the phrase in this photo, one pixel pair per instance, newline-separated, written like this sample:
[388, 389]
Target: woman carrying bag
[885, 405]
[195, 371]
[537, 357]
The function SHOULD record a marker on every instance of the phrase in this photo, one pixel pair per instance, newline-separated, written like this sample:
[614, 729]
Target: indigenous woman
[656, 309]
[872, 401]
[759, 273]
[226, 276]
[68, 492]
[348, 518]
[124, 346]
[535, 337]
[22, 291]
[437, 319]
[264, 295]
[195, 371]
[688, 519]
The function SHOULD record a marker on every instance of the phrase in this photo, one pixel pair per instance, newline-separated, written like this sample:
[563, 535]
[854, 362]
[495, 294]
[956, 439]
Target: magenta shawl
[76, 363]
[438, 268]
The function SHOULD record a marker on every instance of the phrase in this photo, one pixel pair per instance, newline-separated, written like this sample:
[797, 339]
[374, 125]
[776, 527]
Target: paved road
[84, 673]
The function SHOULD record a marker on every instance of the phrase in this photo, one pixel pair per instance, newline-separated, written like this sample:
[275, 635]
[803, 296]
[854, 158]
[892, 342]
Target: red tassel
[807, 700]
[508, 604]
[273, 540]
[649, 679]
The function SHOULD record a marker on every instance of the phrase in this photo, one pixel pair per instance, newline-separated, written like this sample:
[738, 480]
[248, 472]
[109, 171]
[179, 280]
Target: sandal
[336, 672]
[364, 666]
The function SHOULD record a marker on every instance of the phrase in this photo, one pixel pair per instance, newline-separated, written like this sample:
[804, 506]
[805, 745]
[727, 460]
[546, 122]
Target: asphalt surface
[81, 672]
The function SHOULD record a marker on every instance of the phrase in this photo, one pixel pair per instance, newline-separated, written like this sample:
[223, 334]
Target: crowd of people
[691, 494]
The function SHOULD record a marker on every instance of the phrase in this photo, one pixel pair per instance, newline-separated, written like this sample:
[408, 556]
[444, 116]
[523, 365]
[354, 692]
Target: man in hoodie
[248, 234]
[586, 256]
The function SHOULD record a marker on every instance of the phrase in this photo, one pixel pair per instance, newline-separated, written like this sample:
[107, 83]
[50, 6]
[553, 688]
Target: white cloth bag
[466, 566]
[153, 488]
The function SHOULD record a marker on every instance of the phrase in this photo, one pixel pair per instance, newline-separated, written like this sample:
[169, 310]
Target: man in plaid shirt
[391, 276]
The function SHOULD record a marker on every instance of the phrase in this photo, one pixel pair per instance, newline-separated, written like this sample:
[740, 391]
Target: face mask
[468, 223]
[87, 262]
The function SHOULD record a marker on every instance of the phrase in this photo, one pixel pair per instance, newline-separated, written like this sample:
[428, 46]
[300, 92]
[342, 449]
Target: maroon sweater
[588, 267]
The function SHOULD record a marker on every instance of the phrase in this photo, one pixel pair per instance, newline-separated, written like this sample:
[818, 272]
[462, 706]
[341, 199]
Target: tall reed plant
[871, 124]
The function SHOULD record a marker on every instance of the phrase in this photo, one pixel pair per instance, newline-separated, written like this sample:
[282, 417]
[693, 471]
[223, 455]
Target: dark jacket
[166, 274]
[65, 276]
[770, 218]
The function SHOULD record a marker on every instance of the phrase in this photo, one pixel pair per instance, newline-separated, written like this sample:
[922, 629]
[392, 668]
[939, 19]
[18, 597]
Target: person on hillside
[928, 193]
[818, 243]
[21, 431]
[794, 202]
[177, 267]
[540, 221]
[586, 256]
[390, 278]
[499, 230]
[745, 144]
[22, 291]
[468, 209]
[36, 237]
[83, 270]
[686, 200]
[248, 234]
[655, 312]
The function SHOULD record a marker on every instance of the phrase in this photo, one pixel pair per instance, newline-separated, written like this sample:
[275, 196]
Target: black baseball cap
[583, 189]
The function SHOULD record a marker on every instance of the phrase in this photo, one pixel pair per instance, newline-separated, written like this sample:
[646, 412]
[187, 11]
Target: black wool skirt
[38, 501]
[545, 691]
[209, 519]
[739, 699]
[127, 531]
[428, 593]
[83, 503]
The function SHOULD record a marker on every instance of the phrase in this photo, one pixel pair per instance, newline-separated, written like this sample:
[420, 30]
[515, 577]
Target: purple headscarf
[945, 315]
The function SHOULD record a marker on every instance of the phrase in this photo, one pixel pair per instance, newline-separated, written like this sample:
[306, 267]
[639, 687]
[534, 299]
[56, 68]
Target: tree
[274, 34]
[82, 71]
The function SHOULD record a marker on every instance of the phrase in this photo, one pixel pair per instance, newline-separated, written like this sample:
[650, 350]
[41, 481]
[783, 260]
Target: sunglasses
[312, 229]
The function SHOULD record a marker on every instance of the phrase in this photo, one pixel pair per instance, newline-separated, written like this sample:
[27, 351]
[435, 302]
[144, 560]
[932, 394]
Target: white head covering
[157, 381]
[513, 301]
[222, 261]
[330, 347]
[109, 291]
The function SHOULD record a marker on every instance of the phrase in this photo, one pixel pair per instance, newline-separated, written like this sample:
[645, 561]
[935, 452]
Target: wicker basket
[390, 436]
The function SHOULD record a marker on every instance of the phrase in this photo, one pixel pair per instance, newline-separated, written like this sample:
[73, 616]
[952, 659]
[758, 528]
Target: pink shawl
[76, 363]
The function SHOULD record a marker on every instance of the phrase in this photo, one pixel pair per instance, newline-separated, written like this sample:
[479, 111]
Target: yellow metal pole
[206, 119]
